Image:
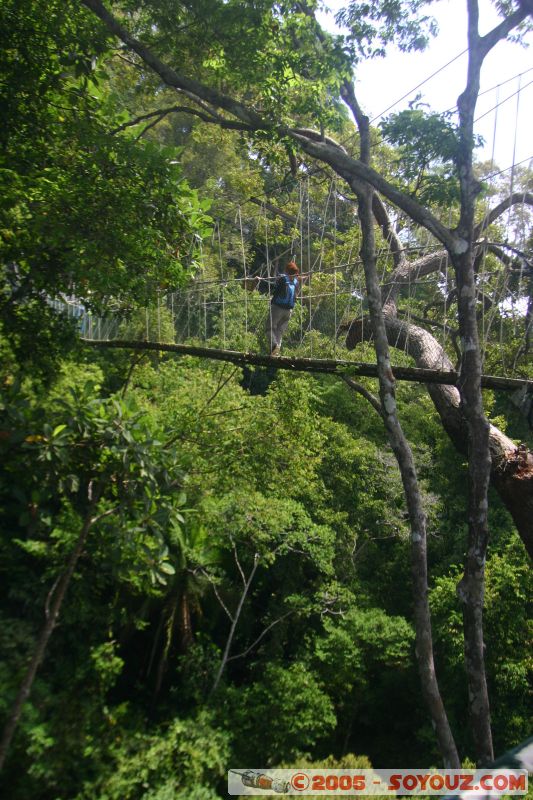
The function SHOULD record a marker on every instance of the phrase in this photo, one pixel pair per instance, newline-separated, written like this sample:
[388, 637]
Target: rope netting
[221, 306]
[227, 311]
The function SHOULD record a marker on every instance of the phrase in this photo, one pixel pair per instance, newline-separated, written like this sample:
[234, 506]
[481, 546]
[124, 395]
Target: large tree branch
[169, 75]
[506, 26]
[389, 234]
[312, 142]
[363, 391]
[353, 170]
[516, 198]
[163, 112]
[439, 375]
[512, 469]
[407, 273]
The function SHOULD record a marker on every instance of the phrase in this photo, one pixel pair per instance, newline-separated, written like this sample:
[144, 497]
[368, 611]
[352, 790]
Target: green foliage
[374, 25]
[82, 211]
[107, 663]
[427, 145]
[89, 456]
[193, 485]
[507, 634]
[295, 707]
[179, 761]
[33, 337]
[251, 520]
[94, 462]
[363, 640]
[269, 52]
[322, 650]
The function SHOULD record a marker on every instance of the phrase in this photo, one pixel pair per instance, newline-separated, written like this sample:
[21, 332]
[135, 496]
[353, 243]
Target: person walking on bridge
[281, 305]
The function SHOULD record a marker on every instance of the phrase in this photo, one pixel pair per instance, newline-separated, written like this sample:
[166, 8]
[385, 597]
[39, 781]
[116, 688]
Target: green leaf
[57, 430]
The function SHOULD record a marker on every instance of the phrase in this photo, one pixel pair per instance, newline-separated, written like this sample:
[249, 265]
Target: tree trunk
[471, 588]
[185, 623]
[404, 456]
[417, 518]
[170, 614]
[234, 623]
[179, 607]
[42, 642]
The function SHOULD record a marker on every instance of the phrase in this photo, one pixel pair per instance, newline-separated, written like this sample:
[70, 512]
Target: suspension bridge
[220, 318]
[217, 315]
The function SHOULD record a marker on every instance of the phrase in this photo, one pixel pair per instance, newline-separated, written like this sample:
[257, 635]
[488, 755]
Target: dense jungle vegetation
[210, 566]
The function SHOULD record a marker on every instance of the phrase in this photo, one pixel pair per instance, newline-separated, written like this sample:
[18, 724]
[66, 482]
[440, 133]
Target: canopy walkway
[218, 318]
[216, 314]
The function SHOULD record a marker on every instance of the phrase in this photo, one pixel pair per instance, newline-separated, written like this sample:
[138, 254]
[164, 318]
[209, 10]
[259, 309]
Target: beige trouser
[276, 324]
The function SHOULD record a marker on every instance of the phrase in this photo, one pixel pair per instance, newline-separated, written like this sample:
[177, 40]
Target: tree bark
[471, 589]
[44, 637]
[319, 365]
[511, 466]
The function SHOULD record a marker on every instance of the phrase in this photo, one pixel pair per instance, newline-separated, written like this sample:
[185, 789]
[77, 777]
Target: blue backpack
[285, 292]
